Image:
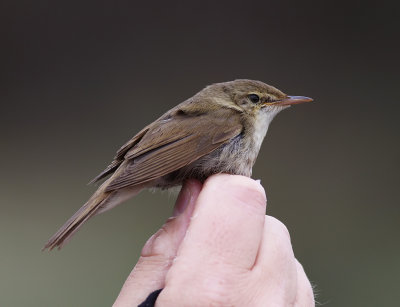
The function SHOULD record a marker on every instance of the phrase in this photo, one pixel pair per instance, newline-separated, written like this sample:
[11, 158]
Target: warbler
[218, 130]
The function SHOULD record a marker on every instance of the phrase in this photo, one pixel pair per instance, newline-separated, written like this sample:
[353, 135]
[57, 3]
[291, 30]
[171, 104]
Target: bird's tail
[89, 209]
[99, 202]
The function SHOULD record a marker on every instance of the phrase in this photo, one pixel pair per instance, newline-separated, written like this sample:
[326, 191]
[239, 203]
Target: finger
[305, 295]
[160, 250]
[222, 240]
[275, 265]
[227, 222]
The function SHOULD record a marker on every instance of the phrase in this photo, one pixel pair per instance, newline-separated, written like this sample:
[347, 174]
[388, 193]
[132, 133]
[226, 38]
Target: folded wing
[170, 144]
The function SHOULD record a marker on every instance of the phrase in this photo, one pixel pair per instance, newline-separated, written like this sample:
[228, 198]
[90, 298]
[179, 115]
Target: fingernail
[183, 200]
[258, 181]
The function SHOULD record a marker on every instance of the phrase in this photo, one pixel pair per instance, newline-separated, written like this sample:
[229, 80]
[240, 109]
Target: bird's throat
[260, 128]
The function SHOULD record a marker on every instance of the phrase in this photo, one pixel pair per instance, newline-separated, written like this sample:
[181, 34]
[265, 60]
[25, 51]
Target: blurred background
[78, 79]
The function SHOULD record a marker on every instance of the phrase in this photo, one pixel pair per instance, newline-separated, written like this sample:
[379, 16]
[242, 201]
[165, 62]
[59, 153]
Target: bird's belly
[230, 158]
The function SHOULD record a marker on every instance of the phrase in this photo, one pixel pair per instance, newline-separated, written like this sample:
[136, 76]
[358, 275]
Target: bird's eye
[254, 98]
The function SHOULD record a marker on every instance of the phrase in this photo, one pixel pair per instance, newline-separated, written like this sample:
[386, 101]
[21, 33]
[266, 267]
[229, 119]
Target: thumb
[160, 250]
[221, 245]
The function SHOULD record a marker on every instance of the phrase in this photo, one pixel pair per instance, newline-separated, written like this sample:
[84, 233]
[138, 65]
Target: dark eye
[254, 98]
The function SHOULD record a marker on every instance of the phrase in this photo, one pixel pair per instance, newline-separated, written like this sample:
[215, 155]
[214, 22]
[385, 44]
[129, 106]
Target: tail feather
[64, 234]
[100, 202]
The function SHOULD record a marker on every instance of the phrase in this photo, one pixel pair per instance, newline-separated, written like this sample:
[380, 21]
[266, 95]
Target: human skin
[219, 249]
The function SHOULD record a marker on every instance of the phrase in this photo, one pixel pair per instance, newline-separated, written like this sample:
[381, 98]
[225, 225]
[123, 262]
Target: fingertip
[244, 188]
[276, 251]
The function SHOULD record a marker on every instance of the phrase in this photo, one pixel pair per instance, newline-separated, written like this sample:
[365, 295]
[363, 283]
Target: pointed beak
[292, 100]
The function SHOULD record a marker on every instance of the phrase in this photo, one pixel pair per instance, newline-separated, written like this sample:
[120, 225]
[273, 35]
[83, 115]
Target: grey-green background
[78, 79]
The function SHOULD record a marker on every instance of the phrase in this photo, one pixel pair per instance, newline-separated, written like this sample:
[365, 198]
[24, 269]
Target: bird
[218, 130]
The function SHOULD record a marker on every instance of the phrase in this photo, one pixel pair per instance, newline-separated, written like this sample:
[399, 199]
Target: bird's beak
[289, 100]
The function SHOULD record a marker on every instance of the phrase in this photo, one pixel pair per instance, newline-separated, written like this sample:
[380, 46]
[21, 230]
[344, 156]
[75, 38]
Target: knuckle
[200, 290]
[148, 265]
[277, 226]
[283, 251]
[159, 244]
[152, 245]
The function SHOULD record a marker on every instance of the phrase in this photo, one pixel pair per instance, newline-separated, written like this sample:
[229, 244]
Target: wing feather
[119, 157]
[169, 147]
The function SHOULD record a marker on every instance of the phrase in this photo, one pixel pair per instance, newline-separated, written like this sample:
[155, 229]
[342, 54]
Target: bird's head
[256, 102]
[251, 97]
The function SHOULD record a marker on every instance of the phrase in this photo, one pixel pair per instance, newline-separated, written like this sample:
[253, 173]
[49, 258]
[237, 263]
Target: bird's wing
[173, 143]
[119, 157]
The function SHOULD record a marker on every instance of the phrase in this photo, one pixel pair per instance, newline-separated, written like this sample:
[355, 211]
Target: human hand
[219, 249]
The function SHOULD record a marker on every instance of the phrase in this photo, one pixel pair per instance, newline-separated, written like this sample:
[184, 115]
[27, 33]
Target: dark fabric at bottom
[150, 301]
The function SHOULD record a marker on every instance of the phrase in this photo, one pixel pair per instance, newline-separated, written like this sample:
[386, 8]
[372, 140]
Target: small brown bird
[218, 130]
